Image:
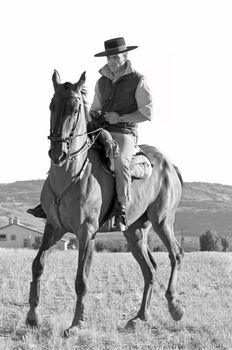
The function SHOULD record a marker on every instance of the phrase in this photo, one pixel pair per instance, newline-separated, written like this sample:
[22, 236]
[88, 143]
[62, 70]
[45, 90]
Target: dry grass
[115, 291]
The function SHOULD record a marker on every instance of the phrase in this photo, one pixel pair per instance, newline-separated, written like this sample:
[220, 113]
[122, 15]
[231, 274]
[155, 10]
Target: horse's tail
[179, 175]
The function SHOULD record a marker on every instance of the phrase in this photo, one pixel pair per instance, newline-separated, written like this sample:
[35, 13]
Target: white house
[16, 235]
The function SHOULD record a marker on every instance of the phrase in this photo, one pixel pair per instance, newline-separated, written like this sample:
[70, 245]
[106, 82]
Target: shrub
[152, 243]
[73, 243]
[114, 246]
[210, 241]
[225, 244]
[37, 242]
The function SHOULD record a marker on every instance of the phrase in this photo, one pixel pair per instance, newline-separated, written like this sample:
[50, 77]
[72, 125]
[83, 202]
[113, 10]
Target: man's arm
[95, 109]
[144, 101]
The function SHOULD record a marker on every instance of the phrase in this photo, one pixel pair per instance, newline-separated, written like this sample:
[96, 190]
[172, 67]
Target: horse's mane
[84, 94]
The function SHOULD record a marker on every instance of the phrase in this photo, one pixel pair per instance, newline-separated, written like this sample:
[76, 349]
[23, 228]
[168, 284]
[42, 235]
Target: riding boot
[37, 212]
[120, 222]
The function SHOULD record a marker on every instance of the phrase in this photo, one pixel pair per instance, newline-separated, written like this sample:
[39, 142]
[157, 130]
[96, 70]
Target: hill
[16, 198]
[203, 206]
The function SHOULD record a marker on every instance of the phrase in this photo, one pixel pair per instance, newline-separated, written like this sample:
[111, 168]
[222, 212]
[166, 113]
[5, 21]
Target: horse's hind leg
[165, 231]
[136, 236]
[50, 237]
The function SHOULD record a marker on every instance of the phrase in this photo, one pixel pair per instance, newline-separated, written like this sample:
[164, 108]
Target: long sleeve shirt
[142, 95]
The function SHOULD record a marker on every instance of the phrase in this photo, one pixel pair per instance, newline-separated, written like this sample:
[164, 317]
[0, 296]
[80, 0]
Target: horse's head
[66, 120]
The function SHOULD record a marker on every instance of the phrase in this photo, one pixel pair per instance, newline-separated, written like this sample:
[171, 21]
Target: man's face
[116, 62]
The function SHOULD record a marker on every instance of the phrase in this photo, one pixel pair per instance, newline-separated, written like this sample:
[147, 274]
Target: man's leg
[127, 143]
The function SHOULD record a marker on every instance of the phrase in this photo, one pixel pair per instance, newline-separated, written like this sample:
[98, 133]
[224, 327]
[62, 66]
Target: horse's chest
[86, 199]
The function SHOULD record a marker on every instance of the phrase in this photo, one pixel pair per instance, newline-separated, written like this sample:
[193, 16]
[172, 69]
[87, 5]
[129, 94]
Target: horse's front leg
[50, 237]
[86, 249]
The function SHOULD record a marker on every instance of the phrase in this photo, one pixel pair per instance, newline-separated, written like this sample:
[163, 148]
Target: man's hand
[111, 117]
[94, 114]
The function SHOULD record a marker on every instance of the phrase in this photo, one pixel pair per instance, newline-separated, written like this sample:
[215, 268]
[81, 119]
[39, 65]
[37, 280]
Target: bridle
[54, 137]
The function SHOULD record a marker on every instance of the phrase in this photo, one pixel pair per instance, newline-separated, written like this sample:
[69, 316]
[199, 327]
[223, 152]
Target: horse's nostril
[63, 157]
[58, 158]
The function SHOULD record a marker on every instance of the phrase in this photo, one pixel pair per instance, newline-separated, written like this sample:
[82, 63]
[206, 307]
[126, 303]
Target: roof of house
[20, 225]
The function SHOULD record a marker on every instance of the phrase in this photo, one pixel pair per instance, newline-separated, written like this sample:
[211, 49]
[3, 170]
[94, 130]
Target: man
[122, 99]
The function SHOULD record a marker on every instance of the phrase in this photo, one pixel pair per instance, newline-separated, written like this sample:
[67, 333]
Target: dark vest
[119, 97]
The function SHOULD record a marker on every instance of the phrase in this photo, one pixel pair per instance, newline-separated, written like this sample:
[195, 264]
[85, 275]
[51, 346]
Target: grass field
[115, 291]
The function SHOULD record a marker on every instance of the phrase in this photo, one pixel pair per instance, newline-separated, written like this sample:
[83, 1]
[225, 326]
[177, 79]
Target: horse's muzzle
[57, 159]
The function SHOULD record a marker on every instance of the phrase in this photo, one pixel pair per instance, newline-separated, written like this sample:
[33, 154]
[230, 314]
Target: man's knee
[122, 163]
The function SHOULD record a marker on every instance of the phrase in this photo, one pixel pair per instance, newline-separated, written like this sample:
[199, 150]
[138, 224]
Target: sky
[185, 52]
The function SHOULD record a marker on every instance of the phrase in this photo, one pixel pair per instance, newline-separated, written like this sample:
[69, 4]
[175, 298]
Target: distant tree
[225, 244]
[182, 242]
[115, 246]
[152, 243]
[37, 242]
[73, 243]
[209, 241]
[151, 240]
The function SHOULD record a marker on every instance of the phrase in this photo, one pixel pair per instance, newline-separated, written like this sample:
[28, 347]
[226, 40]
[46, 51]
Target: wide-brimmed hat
[114, 47]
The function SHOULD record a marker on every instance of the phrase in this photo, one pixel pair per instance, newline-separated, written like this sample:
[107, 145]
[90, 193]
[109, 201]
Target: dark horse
[78, 194]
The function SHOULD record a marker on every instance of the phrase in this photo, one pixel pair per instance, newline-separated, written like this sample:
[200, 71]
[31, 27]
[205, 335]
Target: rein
[74, 155]
[71, 137]
[77, 177]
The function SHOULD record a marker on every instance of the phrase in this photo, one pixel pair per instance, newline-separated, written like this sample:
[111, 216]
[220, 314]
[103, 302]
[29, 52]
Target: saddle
[140, 166]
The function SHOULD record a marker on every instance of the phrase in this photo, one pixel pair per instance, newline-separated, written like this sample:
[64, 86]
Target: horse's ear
[55, 79]
[80, 82]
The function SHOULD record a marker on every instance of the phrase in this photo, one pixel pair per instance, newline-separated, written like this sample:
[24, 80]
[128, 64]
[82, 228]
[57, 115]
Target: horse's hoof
[176, 310]
[133, 323]
[33, 320]
[67, 333]
[73, 331]
[130, 325]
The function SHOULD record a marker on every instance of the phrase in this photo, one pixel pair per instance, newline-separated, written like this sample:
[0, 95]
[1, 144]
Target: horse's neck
[62, 177]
